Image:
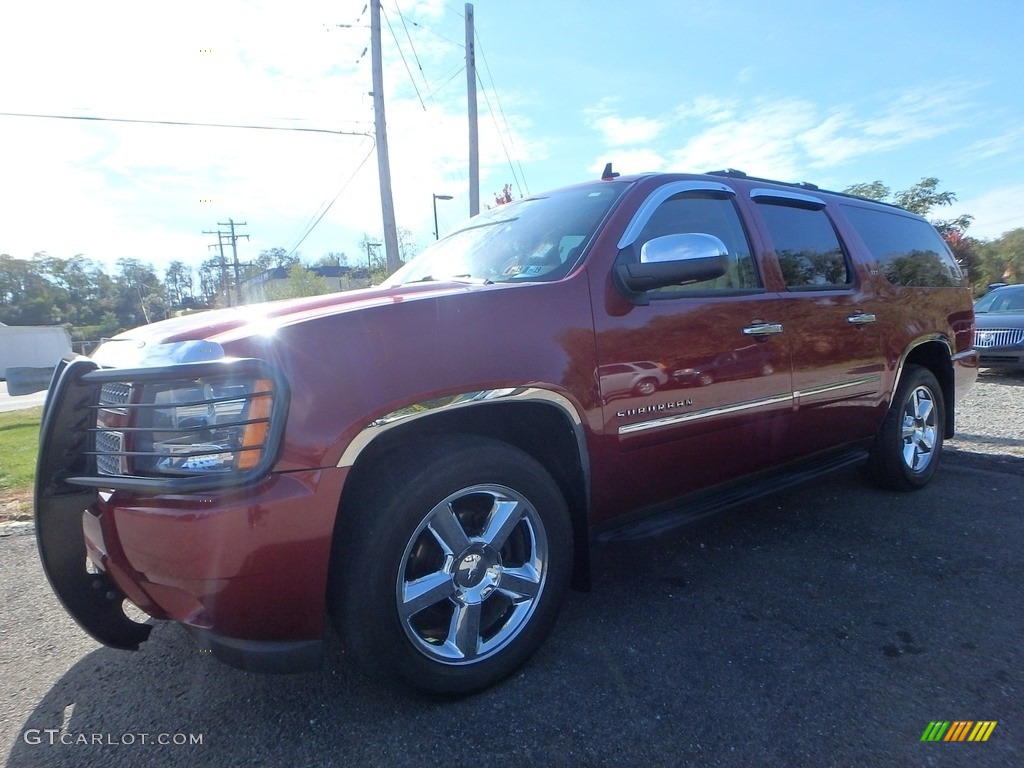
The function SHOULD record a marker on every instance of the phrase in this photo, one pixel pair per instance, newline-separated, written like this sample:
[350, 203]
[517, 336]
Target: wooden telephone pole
[387, 203]
[474, 138]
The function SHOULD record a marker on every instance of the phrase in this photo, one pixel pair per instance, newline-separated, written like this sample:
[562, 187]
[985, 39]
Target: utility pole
[223, 263]
[234, 253]
[474, 139]
[387, 203]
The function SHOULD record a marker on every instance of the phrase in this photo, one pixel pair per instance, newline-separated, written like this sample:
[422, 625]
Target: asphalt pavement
[16, 403]
[827, 626]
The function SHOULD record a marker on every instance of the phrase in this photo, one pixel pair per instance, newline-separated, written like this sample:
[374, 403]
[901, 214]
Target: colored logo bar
[959, 730]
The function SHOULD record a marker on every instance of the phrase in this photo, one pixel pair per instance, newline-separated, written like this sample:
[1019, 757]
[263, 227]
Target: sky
[830, 93]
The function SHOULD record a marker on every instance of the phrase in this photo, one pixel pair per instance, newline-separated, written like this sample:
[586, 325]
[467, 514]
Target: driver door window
[712, 214]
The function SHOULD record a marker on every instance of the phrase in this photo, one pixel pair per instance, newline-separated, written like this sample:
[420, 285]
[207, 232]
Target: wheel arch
[539, 422]
[933, 353]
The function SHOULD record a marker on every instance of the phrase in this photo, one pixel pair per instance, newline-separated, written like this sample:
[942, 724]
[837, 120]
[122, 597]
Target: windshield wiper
[453, 278]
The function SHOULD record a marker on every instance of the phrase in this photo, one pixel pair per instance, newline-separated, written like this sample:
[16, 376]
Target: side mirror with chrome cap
[672, 260]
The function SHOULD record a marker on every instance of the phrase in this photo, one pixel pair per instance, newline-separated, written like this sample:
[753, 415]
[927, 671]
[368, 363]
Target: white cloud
[709, 109]
[135, 190]
[618, 131]
[621, 131]
[783, 138]
[630, 161]
[995, 212]
[1005, 144]
[762, 139]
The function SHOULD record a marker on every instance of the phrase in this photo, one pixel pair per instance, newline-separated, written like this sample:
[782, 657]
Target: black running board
[690, 509]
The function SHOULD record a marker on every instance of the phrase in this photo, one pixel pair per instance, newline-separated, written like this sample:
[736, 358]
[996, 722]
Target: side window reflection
[807, 247]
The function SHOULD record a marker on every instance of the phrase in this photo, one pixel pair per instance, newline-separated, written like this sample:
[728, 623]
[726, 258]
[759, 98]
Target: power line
[183, 122]
[329, 205]
[504, 120]
[435, 34]
[412, 45]
[402, 54]
[453, 10]
[459, 71]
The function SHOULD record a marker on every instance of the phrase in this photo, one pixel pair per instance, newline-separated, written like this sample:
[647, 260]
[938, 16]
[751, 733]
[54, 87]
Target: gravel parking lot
[990, 420]
[825, 626]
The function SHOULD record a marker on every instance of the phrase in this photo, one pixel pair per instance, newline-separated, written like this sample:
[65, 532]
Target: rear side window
[806, 245]
[909, 251]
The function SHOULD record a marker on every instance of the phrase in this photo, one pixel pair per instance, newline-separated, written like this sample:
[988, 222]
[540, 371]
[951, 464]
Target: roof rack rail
[733, 173]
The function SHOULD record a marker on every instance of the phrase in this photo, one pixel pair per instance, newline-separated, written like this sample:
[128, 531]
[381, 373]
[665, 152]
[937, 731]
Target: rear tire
[453, 561]
[908, 446]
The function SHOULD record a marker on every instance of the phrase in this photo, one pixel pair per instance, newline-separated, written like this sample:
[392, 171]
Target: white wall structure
[23, 346]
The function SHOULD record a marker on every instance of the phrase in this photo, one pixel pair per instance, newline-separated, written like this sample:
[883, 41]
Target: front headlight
[218, 421]
[189, 428]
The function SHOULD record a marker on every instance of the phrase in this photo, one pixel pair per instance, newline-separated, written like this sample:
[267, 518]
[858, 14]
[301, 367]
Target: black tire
[452, 563]
[908, 446]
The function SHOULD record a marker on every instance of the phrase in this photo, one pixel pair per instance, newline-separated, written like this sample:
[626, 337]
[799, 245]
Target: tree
[373, 256]
[301, 282]
[178, 283]
[921, 199]
[1002, 259]
[505, 196]
[270, 258]
[408, 246]
[140, 293]
[332, 259]
[965, 251]
[873, 190]
[210, 282]
[26, 296]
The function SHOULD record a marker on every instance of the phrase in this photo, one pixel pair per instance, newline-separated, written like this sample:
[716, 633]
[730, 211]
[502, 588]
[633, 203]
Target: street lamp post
[369, 264]
[436, 198]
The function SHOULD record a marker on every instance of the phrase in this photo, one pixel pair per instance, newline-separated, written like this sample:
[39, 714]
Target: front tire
[454, 561]
[908, 446]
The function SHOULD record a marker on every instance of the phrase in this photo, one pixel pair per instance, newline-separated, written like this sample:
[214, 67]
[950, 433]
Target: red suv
[430, 461]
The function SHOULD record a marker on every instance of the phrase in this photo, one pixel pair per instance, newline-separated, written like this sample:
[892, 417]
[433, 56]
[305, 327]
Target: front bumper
[1001, 357]
[243, 567]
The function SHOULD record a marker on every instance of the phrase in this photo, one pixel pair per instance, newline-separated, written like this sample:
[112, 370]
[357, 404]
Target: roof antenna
[608, 174]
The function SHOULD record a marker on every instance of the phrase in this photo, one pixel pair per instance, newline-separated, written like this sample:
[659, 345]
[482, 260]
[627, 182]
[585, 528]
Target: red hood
[224, 325]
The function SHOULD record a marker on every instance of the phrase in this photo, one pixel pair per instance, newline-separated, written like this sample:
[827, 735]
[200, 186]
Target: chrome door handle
[762, 329]
[861, 318]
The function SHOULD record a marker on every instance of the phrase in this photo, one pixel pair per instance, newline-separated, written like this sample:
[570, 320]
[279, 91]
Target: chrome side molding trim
[706, 413]
[910, 348]
[873, 379]
[427, 408]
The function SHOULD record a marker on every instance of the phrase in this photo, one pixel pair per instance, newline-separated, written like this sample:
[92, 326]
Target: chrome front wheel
[450, 563]
[472, 574]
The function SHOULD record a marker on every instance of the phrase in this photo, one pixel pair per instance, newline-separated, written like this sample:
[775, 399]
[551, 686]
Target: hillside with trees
[94, 301]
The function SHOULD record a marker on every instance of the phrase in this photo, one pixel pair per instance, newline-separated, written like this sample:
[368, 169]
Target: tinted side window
[806, 245]
[711, 214]
[909, 251]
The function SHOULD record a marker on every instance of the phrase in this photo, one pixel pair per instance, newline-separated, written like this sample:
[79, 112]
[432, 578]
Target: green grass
[19, 445]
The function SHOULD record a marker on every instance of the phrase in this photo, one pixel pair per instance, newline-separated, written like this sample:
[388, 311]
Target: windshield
[537, 239]
[1002, 300]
